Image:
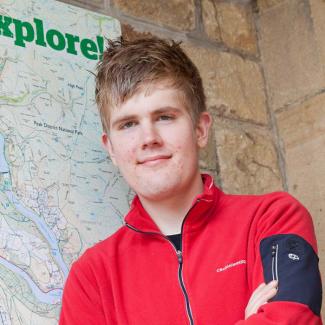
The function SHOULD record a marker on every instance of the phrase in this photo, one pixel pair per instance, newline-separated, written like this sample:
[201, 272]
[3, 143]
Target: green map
[59, 193]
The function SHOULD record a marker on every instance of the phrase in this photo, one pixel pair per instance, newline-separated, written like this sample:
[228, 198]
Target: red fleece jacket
[230, 244]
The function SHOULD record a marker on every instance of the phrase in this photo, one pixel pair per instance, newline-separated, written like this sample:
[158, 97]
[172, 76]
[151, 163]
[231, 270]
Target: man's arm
[286, 251]
[81, 303]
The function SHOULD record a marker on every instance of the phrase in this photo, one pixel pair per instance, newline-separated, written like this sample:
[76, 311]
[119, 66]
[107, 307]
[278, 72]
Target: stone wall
[263, 67]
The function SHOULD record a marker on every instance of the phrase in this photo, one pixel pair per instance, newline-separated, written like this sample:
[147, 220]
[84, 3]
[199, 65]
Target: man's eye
[165, 117]
[127, 125]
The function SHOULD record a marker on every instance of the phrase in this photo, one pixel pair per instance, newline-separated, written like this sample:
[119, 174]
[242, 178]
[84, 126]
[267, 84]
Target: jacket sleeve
[81, 303]
[285, 249]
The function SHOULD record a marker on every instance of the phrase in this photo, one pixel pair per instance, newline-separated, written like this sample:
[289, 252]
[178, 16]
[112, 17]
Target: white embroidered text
[228, 266]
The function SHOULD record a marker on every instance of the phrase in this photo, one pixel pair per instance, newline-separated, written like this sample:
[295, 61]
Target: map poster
[59, 193]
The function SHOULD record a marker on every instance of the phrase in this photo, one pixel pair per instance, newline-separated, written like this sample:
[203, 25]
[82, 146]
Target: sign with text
[59, 194]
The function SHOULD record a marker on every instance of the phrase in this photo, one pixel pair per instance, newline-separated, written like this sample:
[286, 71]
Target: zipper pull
[274, 262]
[273, 250]
[179, 257]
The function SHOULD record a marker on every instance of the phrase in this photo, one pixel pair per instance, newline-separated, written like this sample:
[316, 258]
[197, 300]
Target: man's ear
[108, 147]
[202, 129]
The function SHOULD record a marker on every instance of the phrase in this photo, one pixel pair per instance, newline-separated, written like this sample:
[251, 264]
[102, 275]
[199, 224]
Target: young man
[188, 253]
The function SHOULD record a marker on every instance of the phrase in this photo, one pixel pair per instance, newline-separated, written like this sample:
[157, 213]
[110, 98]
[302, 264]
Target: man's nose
[150, 135]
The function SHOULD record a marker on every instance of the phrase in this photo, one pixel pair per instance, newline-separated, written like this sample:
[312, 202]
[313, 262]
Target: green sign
[25, 32]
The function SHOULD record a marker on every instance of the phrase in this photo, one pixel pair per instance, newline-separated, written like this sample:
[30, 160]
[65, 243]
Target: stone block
[177, 14]
[302, 130]
[289, 52]
[211, 19]
[267, 4]
[318, 16]
[131, 34]
[247, 159]
[234, 87]
[231, 23]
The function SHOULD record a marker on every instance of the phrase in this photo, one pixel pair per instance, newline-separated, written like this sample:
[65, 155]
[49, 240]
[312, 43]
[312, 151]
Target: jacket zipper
[181, 281]
[179, 254]
[180, 269]
[275, 249]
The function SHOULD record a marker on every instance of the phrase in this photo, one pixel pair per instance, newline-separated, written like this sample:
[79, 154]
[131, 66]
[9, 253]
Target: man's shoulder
[278, 197]
[259, 206]
[105, 249]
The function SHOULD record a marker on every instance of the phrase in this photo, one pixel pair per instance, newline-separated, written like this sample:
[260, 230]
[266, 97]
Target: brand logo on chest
[230, 265]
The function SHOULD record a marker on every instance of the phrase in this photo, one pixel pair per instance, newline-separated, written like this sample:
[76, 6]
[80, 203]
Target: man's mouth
[153, 160]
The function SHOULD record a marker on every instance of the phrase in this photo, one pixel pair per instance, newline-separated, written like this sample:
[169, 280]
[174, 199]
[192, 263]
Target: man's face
[153, 141]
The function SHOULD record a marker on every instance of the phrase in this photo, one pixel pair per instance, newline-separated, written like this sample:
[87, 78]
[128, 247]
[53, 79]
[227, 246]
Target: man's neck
[170, 212]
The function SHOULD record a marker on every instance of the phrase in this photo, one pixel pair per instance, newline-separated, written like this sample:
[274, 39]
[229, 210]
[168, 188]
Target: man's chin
[156, 192]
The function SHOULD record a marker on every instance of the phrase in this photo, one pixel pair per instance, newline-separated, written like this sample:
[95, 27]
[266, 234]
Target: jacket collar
[202, 207]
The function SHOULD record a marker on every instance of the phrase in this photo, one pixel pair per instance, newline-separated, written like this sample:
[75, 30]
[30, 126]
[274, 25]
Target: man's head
[129, 67]
[153, 111]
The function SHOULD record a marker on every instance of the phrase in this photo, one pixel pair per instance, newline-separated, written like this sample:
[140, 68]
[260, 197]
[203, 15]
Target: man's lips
[153, 159]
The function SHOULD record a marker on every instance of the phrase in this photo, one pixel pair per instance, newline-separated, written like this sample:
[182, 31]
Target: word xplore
[24, 32]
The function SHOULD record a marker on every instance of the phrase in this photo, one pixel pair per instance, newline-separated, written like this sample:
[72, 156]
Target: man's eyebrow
[122, 119]
[166, 109]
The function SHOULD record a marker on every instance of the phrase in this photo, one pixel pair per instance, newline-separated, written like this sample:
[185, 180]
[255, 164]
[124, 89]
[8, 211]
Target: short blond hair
[127, 66]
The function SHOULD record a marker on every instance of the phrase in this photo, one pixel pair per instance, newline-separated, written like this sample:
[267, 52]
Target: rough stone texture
[289, 53]
[267, 4]
[178, 14]
[234, 86]
[211, 19]
[318, 16]
[302, 130]
[231, 23]
[131, 34]
[247, 159]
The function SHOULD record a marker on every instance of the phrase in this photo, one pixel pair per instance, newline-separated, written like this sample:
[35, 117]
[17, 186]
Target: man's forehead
[146, 97]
